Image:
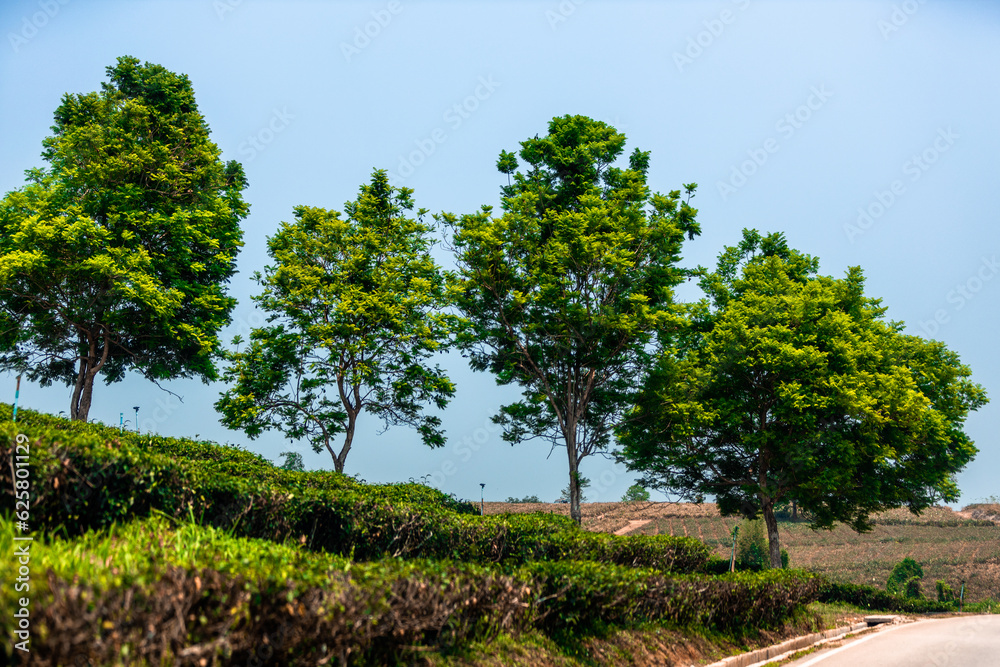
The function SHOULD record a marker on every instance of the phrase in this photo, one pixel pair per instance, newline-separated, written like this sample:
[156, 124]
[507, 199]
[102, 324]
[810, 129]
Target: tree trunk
[90, 366]
[774, 546]
[574, 479]
[74, 401]
[340, 459]
[86, 397]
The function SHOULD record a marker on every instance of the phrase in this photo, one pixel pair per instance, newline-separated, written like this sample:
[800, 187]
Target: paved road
[965, 641]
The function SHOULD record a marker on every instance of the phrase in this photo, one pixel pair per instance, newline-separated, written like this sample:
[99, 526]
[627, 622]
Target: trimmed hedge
[84, 479]
[869, 597]
[236, 601]
[191, 595]
[582, 594]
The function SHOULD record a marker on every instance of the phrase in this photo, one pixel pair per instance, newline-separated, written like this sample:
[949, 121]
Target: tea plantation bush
[121, 591]
[869, 597]
[86, 477]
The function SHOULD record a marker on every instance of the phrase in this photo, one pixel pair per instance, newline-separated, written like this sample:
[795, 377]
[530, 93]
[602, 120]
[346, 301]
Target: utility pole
[482, 496]
[732, 559]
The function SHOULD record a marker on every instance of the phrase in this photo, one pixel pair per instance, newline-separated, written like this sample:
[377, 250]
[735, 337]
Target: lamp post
[482, 496]
[121, 421]
[136, 408]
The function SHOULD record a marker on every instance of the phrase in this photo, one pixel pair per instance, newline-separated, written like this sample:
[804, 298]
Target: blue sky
[866, 131]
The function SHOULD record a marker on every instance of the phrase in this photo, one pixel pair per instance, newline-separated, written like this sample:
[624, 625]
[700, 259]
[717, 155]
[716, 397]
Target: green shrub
[752, 552]
[904, 570]
[784, 559]
[579, 595]
[636, 494]
[238, 596]
[526, 499]
[869, 597]
[83, 481]
[944, 591]
[912, 589]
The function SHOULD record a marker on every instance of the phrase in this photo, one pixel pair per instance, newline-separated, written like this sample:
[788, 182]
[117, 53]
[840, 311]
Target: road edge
[786, 648]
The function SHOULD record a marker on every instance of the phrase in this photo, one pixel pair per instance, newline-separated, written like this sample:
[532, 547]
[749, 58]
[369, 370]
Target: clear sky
[866, 131]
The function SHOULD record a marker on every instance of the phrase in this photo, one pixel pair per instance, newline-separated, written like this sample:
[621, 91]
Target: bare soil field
[949, 545]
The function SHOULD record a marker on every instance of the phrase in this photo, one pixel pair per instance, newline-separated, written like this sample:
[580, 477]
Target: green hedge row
[143, 593]
[122, 591]
[582, 594]
[82, 480]
[869, 597]
[213, 458]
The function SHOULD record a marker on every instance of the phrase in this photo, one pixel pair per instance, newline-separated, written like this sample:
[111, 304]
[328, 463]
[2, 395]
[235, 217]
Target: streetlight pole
[136, 408]
[482, 495]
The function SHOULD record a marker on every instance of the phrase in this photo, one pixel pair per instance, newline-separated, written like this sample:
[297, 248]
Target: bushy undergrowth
[91, 477]
[162, 590]
[869, 597]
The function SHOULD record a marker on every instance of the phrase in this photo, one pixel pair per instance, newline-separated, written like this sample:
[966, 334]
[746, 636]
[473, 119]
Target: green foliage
[912, 589]
[903, 571]
[355, 310]
[636, 494]
[751, 546]
[116, 256]
[944, 591]
[526, 499]
[788, 384]
[784, 559]
[238, 594]
[875, 599]
[583, 483]
[293, 461]
[117, 583]
[245, 494]
[566, 291]
[579, 595]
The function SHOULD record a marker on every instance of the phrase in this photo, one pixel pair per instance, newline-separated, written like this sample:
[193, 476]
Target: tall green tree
[566, 291]
[356, 307]
[790, 384]
[116, 255]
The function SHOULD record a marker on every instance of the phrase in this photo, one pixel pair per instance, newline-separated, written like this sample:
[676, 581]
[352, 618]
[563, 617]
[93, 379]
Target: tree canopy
[791, 385]
[116, 256]
[566, 290]
[356, 307]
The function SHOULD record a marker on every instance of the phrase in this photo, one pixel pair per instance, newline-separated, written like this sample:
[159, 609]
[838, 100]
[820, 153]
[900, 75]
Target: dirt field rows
[949, 545]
